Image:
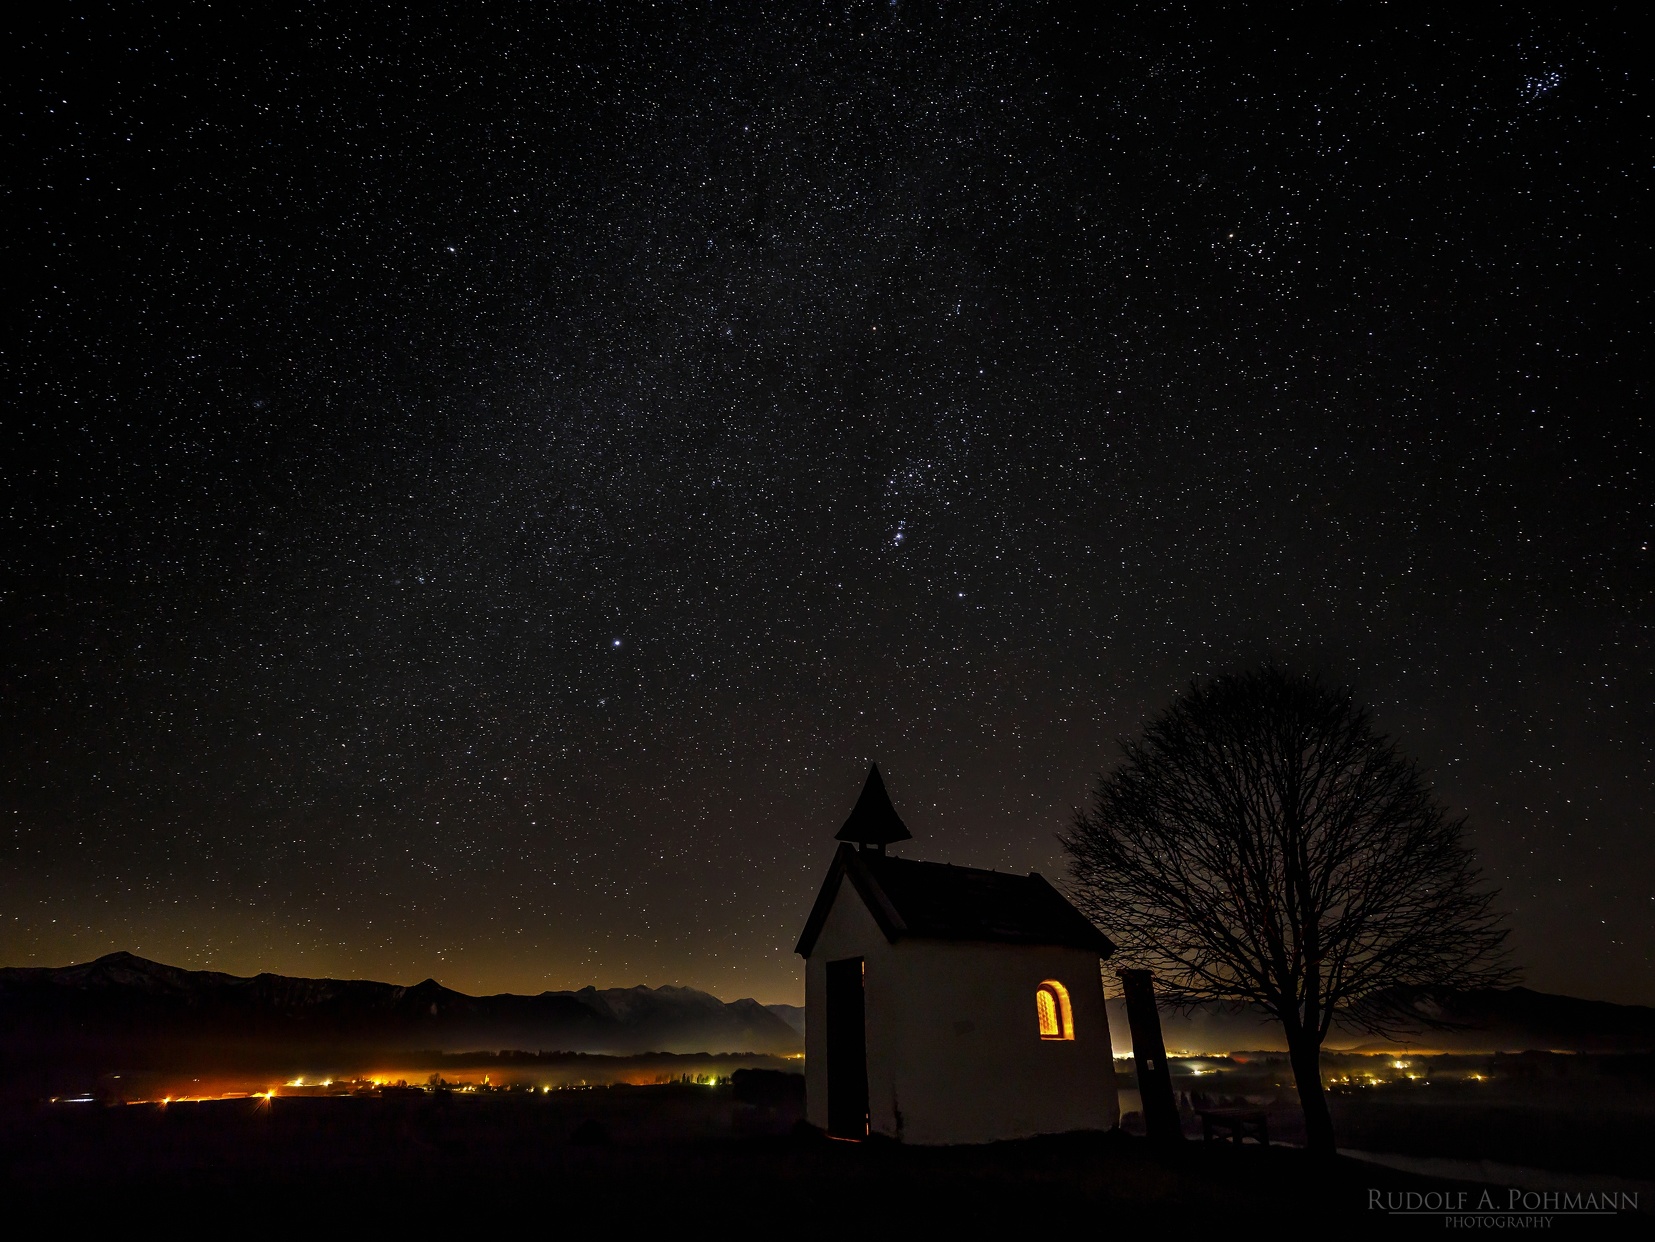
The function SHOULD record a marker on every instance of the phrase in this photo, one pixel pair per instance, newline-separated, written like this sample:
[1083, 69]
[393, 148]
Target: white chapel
[948, 1004]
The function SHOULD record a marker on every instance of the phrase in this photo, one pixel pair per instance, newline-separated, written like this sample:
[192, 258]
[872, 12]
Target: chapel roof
[873, 820]
[938, 901]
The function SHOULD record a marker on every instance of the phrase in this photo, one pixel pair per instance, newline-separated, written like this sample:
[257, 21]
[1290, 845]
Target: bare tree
[1261, 844]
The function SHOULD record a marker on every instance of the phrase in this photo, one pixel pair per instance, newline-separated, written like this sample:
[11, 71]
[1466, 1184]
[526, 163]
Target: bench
[1238, 1123]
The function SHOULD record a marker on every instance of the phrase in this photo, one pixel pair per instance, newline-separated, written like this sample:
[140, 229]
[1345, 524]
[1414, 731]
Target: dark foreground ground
[1587, 1115]
[657, 1160]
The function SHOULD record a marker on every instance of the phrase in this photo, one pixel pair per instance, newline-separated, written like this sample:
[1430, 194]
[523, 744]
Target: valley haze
[123, 1009]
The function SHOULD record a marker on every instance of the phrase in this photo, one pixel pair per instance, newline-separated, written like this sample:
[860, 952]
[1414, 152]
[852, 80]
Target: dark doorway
[847, 1050]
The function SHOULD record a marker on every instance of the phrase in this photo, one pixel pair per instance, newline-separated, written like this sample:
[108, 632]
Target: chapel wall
[961, 1049]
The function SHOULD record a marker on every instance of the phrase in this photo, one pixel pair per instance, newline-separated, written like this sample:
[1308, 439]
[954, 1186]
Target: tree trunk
[1306, 1056]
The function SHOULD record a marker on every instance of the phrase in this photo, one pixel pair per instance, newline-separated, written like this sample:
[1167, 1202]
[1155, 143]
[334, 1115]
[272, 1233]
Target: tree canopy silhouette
[1260, 843]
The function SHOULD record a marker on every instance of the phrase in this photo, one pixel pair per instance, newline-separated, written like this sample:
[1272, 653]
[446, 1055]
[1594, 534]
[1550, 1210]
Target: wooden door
[847, 1050]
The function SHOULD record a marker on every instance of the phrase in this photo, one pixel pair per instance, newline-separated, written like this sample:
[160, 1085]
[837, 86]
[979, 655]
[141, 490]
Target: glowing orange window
[1051, 1002]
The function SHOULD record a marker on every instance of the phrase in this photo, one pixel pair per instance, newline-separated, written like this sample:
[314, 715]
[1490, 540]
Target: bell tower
[873, 822]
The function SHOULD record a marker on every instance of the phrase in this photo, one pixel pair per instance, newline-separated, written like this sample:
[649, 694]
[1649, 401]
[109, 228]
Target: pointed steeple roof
[874, 820]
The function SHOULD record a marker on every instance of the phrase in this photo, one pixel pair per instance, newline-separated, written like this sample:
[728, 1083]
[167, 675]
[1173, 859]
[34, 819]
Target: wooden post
[1161, 1121]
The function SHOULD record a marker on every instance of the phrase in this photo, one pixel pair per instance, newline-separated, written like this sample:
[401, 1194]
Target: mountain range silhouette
[158, 1014]
[125, 1009]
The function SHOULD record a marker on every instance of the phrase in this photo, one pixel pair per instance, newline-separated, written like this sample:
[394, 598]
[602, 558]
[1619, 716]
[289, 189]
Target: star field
[481, 488]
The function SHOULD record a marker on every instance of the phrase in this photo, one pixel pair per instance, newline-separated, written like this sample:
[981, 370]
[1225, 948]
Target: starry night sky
[477, 492]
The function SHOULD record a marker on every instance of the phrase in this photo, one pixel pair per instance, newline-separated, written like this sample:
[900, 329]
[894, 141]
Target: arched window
[1051, 1002]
